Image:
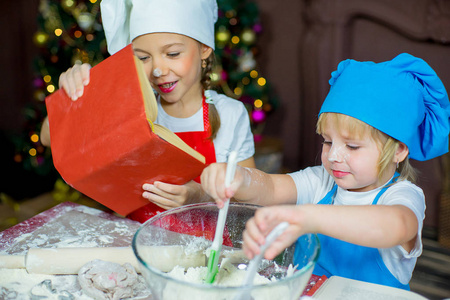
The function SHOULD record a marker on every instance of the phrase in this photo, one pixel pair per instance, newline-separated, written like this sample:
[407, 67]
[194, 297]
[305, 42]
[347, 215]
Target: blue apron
[353, 261]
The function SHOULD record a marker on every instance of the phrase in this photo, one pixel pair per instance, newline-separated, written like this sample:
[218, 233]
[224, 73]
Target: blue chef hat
[403, 98]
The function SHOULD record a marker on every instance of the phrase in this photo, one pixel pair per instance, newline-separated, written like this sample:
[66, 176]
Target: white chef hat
[124, 20]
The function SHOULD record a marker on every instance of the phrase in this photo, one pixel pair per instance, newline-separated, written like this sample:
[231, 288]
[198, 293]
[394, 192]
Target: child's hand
[74, 80]
[213, 182]
[169, 196]
[266, 219]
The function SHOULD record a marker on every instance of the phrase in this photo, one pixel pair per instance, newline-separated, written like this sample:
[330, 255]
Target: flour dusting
[18, 284]
[228, 276]
[77, 226]
[76, 229]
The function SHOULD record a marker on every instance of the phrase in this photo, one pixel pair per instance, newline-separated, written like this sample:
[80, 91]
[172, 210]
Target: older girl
[175, 41]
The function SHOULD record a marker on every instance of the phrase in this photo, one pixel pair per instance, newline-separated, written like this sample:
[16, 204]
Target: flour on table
[18, 284]
[75, 227]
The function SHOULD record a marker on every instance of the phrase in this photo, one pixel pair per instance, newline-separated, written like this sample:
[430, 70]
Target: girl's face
[353, 162]
[178, 57]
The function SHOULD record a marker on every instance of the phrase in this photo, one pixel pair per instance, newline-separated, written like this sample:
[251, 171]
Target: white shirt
[314, 183]
[234, 132]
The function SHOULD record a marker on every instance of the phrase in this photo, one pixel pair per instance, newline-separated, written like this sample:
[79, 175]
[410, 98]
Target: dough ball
[107, 280]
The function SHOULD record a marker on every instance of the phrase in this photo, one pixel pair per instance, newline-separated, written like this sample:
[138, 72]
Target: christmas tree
[236, 73]
[70, 31]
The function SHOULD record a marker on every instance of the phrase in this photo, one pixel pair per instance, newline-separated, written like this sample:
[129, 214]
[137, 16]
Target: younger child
[175, 41]
[375, 117]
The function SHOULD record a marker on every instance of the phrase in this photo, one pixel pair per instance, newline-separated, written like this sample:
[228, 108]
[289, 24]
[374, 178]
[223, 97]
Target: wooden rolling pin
[69, 260]
[65, 260]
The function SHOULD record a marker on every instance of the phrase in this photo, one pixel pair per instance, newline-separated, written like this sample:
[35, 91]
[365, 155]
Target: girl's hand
[74, 80]
[266, 219]
[169, 196]
[213, 182]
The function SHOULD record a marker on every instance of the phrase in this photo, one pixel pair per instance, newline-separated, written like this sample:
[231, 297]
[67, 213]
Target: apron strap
[394, 179]
[329, 197]
[206, 125]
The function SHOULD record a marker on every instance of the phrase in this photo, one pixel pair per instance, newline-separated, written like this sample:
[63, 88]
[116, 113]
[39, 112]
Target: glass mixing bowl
[181, 237]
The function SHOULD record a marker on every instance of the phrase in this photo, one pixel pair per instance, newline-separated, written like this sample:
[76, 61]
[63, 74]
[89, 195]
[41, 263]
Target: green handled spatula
[216, 246]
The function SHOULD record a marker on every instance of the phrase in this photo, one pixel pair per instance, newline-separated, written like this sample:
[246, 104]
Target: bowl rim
[160, 273]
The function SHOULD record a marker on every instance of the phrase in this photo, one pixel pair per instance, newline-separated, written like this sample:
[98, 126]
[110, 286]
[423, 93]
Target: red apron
[199, 140]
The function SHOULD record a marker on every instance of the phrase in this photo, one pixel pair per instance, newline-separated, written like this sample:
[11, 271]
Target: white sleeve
[312, 184]
[408, 194]
[234, 132]
[400, 262]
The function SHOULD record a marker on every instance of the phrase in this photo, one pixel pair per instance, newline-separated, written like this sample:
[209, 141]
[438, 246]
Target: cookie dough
[107, 280]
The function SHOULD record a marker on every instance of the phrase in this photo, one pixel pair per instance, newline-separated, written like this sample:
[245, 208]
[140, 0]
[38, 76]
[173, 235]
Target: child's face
[178, 57]
[353, 162]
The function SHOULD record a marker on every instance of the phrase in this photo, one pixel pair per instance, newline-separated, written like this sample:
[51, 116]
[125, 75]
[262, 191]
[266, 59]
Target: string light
[40, 149]
[32, 152]
[258, 116]
[214, 76]
[235, 40]
[18, 158]
[258, 103]
[69, 3]
[222, 35]
[50, 88]
[40, 38]
[254, 74]
[34, 138]
[267, 107]
[58, 31]
[261, 81]
[47, 78]
[230, 13]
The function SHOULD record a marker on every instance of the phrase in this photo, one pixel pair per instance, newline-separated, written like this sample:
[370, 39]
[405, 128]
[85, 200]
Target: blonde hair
[387, 145]
[214, 118]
